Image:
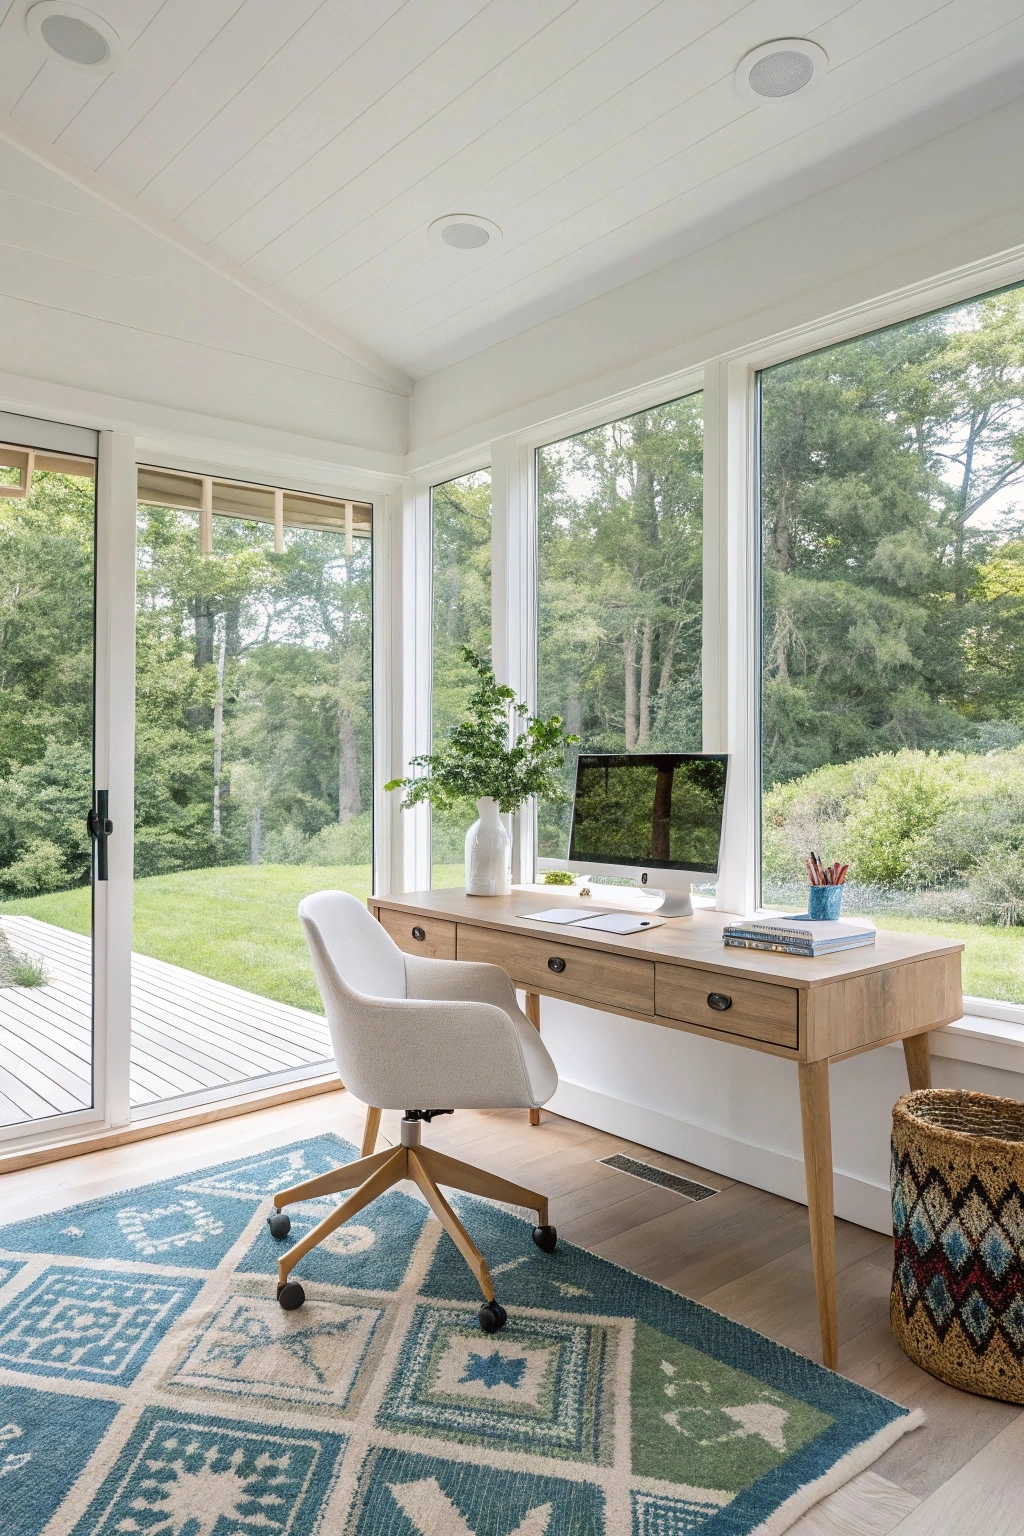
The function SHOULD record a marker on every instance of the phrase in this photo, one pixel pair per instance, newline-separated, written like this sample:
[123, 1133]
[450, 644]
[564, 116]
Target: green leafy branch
[477, 758]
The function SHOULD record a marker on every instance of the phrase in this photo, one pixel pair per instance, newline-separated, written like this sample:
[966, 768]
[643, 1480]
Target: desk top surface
[695, 940]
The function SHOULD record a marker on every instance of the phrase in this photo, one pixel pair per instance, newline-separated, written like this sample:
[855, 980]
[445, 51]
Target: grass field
[239, 924]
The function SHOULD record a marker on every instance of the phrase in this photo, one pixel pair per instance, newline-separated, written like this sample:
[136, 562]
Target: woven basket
[957, 1304]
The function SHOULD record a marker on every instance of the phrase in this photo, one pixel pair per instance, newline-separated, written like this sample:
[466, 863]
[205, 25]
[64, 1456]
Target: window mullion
[731, 627]
[514, 605]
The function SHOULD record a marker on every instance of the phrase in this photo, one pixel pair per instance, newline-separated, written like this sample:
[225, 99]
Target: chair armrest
[470, 981]
[414, 1053]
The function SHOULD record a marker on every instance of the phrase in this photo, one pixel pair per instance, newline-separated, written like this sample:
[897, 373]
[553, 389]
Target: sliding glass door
[47, 729]
[253, 775]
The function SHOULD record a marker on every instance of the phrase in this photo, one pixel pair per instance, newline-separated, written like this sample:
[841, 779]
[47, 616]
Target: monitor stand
[676, 903]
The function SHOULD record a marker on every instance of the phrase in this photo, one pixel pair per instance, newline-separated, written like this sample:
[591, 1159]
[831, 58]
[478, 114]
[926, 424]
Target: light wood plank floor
[743, 1252]
[189, 1034]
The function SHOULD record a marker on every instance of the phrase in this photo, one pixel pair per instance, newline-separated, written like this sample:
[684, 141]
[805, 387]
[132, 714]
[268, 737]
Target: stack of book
[797, 935]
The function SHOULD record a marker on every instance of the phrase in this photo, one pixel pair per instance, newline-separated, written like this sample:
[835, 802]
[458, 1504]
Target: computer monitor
[655, 816]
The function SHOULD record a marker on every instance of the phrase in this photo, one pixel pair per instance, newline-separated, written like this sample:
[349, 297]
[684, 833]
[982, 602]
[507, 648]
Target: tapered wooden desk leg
[533, 1014]
[370, 1130]
[919, 1061]
[817, 1128]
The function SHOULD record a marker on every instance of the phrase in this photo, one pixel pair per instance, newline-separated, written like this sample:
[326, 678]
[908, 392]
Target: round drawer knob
[419, 933]
[719, 1001]
[556, 964]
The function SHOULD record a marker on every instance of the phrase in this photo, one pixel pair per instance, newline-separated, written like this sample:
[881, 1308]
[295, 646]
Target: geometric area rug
[150, 1385]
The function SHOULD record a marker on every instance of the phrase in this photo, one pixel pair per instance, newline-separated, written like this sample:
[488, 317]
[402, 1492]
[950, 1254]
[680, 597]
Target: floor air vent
[688, 1188]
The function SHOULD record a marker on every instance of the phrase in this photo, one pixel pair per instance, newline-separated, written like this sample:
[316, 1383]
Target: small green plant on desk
[485, 759]
[477, 760]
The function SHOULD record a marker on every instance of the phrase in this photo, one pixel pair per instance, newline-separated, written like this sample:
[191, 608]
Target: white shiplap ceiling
[311, 142]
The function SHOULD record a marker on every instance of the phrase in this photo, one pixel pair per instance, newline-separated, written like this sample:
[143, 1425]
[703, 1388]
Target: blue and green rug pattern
[151, 1386]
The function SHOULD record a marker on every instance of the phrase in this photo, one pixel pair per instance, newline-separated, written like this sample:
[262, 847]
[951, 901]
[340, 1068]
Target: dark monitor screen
[661, 810]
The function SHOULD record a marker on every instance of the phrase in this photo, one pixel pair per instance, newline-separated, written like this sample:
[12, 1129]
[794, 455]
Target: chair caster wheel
[545, 1238]
[280, 1225]
[290, 1296]
[492, 1316]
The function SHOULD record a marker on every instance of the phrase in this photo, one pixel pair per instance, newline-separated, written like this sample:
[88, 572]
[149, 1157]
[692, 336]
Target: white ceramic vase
[488, 853]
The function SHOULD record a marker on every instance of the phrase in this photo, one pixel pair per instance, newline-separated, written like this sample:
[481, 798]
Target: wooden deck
[189, 1034]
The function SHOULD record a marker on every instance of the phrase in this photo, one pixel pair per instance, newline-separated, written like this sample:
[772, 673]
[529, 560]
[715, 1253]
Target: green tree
[887, 464]
[621, 559]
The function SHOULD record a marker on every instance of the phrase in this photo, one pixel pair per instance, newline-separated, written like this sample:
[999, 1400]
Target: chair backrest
[357, 949]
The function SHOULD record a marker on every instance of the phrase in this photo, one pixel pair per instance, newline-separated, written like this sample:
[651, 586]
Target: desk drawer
[432, 937]
[756, 1009]
[618, 981]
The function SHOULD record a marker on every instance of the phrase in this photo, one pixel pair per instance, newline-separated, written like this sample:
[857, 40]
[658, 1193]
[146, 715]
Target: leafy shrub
[40, 867]
[996, 890]
[911, 819]
[43, 841]
[284, 845]
[344, 842]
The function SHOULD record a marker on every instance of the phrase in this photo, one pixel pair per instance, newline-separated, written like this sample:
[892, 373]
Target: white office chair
[410, 1031]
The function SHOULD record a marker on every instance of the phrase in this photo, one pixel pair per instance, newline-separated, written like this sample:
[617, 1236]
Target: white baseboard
[781, 1174]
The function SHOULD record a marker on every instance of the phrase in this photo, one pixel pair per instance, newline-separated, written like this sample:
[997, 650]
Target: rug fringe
[843, 1471]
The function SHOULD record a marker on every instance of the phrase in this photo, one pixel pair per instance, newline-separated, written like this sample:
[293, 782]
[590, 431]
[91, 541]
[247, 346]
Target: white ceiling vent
[776, 71]
[465, 231]
[74, 35]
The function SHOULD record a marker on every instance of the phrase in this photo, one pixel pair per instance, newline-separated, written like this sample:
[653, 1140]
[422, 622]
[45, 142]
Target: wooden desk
[811, 1012]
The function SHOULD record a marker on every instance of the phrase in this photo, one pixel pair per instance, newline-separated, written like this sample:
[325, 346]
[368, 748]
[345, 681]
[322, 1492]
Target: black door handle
[100, 827]
[721, 1002]
[556, 964]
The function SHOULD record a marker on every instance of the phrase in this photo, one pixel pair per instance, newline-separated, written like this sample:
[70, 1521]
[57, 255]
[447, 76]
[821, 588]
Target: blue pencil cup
[824, 903]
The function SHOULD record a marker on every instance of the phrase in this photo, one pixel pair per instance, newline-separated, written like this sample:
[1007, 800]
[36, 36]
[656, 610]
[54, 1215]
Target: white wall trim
[982, 1041]
[171, 233]
[168, 431]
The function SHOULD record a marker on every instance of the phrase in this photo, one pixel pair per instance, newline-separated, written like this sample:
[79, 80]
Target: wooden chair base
[371, 1176]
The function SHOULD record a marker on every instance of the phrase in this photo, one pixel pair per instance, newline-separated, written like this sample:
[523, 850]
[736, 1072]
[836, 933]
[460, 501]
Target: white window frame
[113, 714]
[515, 601]
[410, 830]
[731, 590]
[733, 563]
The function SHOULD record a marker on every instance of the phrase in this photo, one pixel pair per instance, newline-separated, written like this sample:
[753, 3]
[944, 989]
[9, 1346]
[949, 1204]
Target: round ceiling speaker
[74, 35]
[790, 66]
[465, 231]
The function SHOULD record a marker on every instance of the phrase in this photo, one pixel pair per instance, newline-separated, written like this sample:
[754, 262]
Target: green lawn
[237, 924]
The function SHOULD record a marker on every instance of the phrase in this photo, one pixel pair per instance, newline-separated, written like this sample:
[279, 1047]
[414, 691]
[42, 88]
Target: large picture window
[892, 509]
[619, 513]
[461, 585]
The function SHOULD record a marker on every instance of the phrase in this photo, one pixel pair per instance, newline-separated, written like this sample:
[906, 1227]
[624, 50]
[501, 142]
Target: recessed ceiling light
[776, 71]
[74, 35]
[466, 231]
